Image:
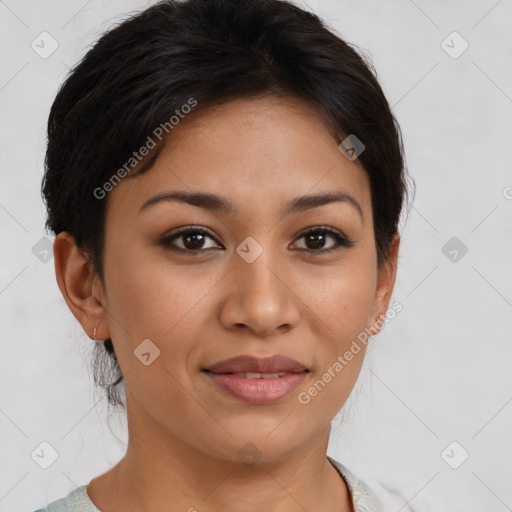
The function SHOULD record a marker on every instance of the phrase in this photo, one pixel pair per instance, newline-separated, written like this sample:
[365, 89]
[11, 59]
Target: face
[250, 281]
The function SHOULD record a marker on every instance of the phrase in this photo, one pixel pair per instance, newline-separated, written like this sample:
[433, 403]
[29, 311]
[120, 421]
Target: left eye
[194, 240]
[319, 235]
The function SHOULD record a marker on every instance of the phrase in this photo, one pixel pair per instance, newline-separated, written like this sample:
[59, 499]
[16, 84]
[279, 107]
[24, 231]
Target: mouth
[255, 380]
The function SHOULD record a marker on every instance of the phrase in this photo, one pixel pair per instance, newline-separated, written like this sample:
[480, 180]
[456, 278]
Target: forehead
[259, 153]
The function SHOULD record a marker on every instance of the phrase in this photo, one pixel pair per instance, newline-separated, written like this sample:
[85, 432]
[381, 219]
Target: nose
[259, 298]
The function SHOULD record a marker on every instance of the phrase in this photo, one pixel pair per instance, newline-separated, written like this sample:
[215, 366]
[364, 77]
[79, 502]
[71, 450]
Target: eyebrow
[216, 203]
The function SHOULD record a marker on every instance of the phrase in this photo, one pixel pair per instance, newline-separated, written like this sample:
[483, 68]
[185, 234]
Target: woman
[225, 180]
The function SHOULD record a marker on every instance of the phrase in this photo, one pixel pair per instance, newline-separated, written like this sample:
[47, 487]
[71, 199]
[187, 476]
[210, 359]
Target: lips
[252, 366]
[255, 380]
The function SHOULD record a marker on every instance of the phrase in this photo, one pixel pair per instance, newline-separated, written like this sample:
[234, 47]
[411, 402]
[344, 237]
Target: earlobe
[75, 278]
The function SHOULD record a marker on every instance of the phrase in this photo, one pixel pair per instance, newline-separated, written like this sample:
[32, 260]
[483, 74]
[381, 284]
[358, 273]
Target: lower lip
[257, 391]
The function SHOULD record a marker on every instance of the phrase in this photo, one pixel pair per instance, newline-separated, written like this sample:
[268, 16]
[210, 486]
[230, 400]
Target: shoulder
[363, 498]
[76, 501]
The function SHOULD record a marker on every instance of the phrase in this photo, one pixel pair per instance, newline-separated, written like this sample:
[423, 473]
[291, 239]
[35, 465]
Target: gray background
[439, 373]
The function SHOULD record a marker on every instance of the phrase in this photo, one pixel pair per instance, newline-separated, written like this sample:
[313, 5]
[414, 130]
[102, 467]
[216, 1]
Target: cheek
[142, 293]
[154, 301]
[342, 301]
[342, 304]
[150, 299]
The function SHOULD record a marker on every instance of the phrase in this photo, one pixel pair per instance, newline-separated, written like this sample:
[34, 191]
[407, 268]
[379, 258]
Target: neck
[160, 470]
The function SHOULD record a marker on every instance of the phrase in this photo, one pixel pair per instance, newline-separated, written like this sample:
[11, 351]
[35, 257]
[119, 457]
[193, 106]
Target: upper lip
[273, 364]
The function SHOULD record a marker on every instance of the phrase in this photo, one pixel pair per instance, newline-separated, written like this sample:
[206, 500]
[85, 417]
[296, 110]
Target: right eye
[193, 240]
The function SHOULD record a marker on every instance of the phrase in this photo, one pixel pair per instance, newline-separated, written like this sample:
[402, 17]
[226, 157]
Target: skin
[198, 309]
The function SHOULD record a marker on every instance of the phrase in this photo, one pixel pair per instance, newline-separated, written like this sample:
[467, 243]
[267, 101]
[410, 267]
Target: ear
[385, 285]
[80, 286]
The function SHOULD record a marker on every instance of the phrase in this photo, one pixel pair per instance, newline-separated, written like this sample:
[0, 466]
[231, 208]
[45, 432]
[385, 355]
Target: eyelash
[342, 241]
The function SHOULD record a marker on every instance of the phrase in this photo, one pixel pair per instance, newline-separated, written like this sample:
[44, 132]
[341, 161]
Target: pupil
[195, 245]
[319, 243]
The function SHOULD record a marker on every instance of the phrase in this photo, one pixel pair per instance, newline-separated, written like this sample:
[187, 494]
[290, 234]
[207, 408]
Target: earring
[94, 334]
